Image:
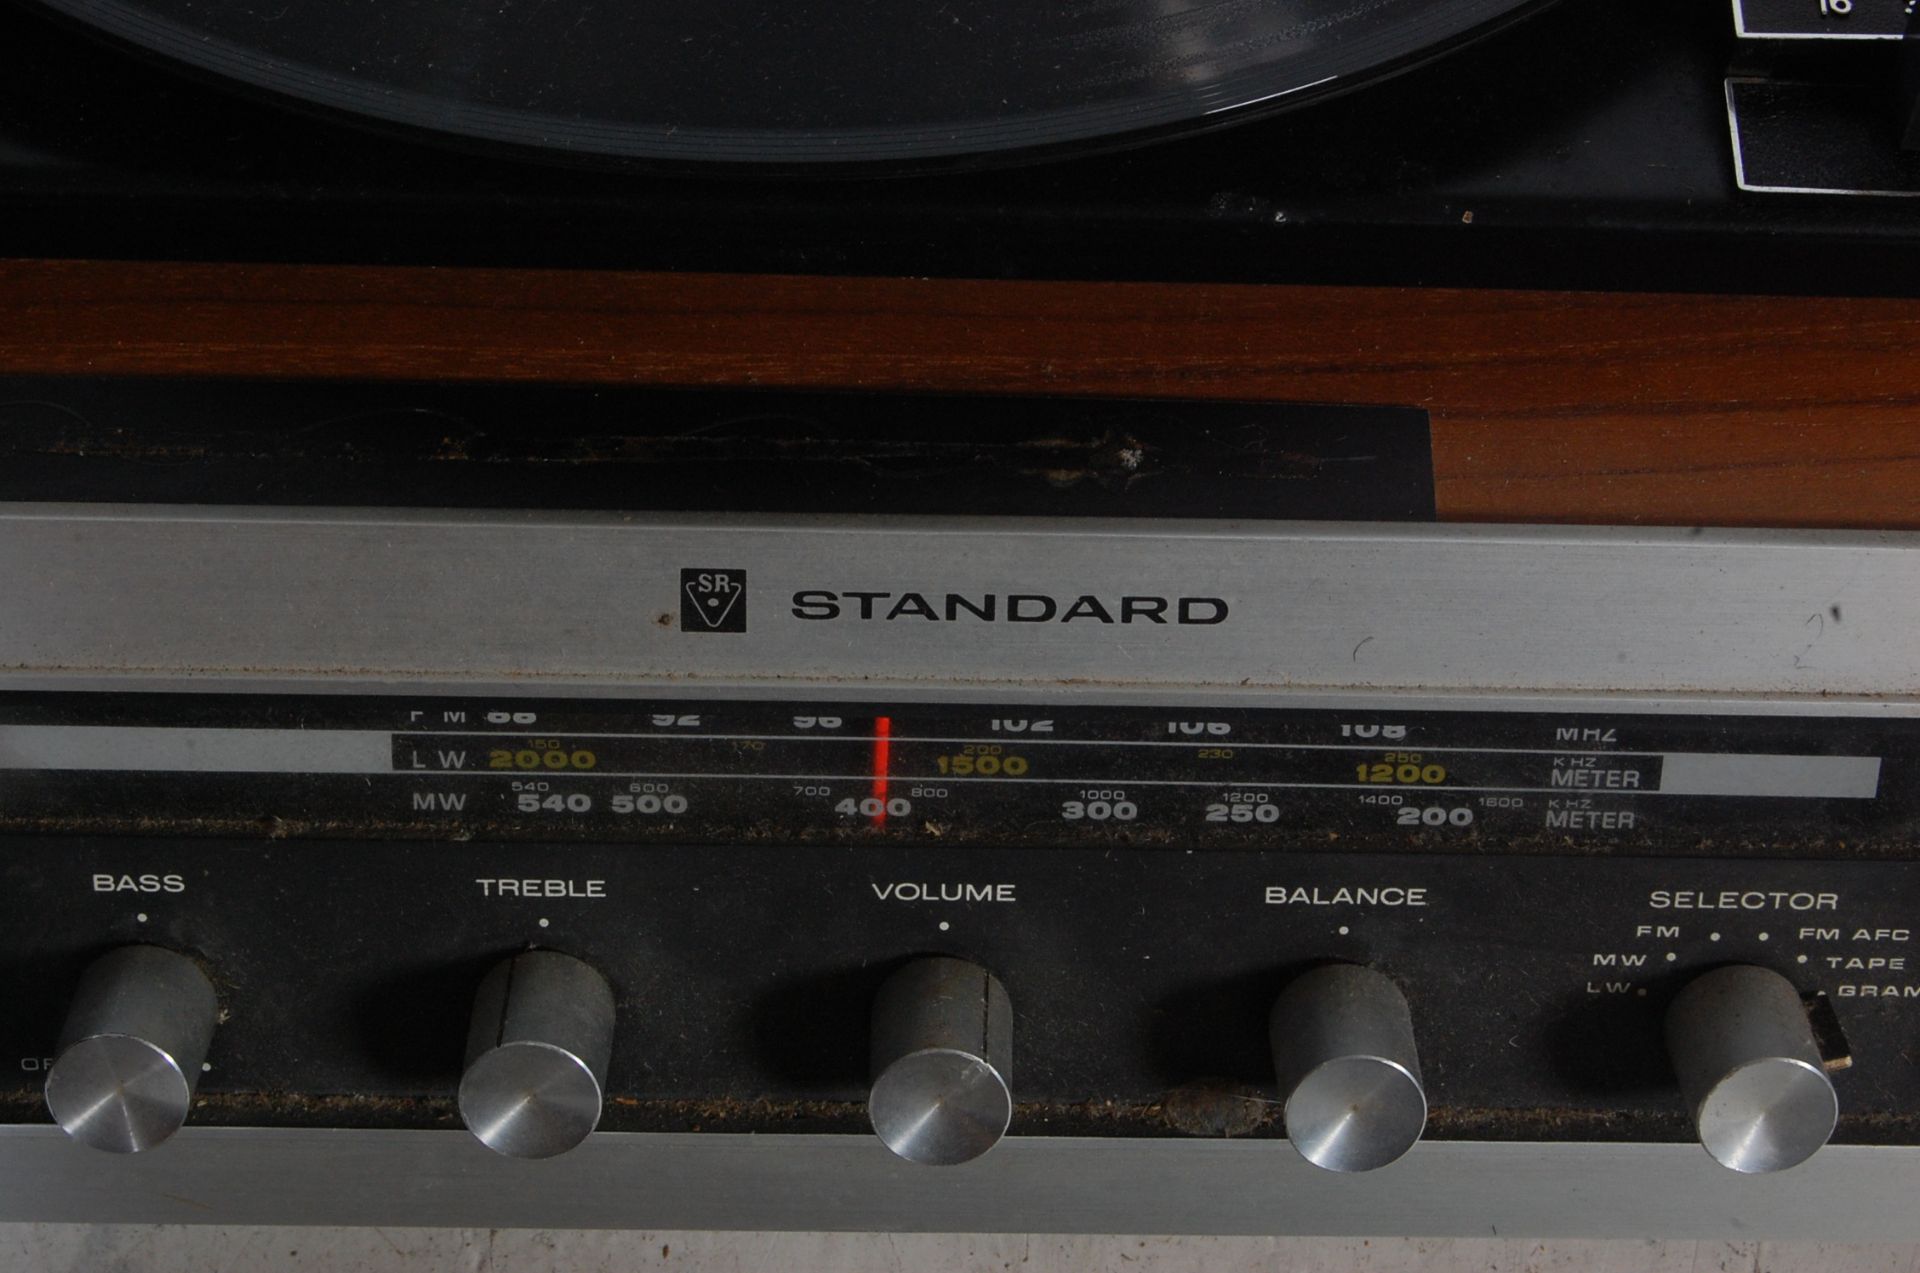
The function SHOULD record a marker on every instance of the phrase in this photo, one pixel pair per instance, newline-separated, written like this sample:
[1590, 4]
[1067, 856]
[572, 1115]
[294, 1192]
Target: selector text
[1739, 900]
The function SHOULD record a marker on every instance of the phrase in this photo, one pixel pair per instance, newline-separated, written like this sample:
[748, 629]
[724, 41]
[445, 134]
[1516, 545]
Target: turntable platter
[793, 82]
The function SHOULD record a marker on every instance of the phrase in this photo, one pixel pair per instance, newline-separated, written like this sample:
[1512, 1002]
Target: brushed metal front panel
[254, 593]
[1034, 1185]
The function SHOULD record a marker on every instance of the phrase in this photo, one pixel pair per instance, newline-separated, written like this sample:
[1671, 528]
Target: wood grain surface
[1561, 407]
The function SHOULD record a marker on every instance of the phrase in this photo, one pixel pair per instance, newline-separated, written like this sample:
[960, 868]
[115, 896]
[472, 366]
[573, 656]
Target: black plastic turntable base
[1585, 147]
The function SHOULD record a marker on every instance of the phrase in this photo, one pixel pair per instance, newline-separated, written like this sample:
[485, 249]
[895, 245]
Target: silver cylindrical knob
[1749, 1069]
[942, 1052]
[537, 1055]
[1344, 1055]
[131, 1050]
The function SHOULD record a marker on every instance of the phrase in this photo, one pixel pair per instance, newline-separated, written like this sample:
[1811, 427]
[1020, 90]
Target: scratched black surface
[528, 446]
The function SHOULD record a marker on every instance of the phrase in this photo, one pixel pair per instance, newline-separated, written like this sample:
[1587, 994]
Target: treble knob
[131, 1050]
[1750, 1069]
[1344, 1055]
[942, 1058]
[537, 1055]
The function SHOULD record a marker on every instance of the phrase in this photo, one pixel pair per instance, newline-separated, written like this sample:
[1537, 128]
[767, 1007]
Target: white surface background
[56, 1248]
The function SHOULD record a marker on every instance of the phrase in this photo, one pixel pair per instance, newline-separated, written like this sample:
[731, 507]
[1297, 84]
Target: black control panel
[746, 873]
[1140, 980]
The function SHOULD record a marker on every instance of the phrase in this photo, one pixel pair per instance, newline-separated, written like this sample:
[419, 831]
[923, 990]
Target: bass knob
[131, 1049]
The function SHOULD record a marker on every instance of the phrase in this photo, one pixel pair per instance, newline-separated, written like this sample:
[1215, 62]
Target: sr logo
[713, 600]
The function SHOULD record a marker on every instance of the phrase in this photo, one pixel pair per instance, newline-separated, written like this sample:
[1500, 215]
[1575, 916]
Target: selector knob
[942, 1052]
[537, 1055]
[1750, 1069]
[1343, 1052]
[131, 1049]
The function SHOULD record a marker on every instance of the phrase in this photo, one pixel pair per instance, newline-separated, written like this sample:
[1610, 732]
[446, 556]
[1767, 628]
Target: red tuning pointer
[882, 747]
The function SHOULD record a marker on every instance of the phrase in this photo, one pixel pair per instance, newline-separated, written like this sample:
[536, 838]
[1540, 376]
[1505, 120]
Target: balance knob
[1344, 1055]
[537, 1055]
[1750, 1069]
[131, 1049]
[942, 1052]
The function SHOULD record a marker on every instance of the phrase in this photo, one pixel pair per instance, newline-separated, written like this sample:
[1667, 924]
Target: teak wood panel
[1564, 407]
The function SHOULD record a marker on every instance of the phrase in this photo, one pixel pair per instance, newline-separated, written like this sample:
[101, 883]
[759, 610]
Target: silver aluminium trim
[552, 600]
[1026, 1184]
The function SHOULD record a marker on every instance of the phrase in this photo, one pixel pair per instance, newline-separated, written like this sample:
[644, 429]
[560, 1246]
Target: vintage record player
[1265, 616]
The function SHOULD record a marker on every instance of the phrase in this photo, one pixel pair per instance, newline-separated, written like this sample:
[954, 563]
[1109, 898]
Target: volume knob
[1750, 1069]
[1344, 1055]
[131, 1050]
[537, 1054]
[942, 1057]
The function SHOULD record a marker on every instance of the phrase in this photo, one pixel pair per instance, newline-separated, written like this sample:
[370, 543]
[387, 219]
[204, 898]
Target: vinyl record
[794, 82]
